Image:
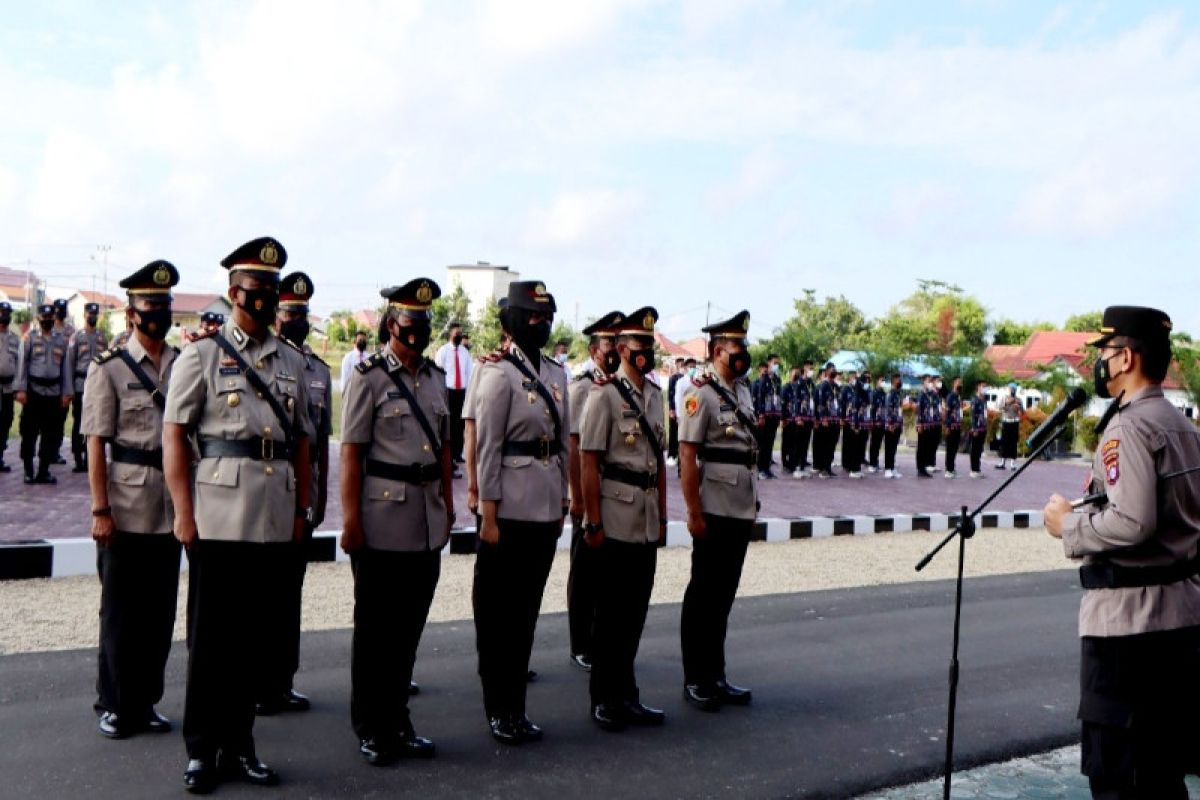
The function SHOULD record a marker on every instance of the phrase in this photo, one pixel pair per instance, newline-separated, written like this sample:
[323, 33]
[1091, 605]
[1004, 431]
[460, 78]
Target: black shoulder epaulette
[585, 375]
[701, 380]
[203, 334]
[434, 366]
[292, 345]
[605, 381]
[106, 355]
[370, 364]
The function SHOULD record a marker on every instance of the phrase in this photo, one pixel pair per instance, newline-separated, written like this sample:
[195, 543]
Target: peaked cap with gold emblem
[156, 278]
[606, 325]
[264, 256]
[531, 296]
[415, 298]
[639, 323]
[736, 327]
[295, 289]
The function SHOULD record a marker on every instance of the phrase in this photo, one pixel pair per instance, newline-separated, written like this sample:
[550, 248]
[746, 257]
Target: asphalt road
[850, 695]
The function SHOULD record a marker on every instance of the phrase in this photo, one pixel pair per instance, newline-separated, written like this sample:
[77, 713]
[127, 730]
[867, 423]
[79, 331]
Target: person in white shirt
[355, 357]
[455, 360]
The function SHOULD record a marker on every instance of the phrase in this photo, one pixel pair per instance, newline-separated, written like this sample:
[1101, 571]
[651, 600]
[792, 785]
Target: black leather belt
[630, 477]
[728, 455]
[408, 473]
[45, 381]
[1115, 576]
[538, 448]
[258, 448]
[134, 455]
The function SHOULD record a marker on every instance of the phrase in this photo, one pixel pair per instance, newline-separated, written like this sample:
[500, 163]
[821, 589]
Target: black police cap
[606, 325]
[91, 308]
[264, 256]
[295, 290]
[212, 317]
[45, 308]
[157, 277]
[4, 306]
[60, 303]
[1147, 325]
[639, 322]
[736, 327]
[531, 296]
[415, 298]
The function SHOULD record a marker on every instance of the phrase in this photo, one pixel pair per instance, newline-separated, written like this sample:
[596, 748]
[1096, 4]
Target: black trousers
[825, 438]
[851, 449]
[804, 433]
[1138, 703]
[717, 560]
[977, 442]
[237, 597]
[673, 437]
[953, 440]
[927, 445]
[876, 440]
[286, 660]
[139, 586]
[624, 577]
[1009, 433]
[456, 398]
[6, 418]
[581, 592]
[78, 444]
[766, 443]
[41, 428]
[392, 594]
[787, 447]
[891, 439]
[510, 577]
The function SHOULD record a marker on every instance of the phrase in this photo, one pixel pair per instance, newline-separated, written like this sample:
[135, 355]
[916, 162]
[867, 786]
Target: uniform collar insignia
[392, 362]
[239, 337]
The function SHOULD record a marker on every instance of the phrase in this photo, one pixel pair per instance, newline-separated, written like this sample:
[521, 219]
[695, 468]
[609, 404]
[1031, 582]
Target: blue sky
[1041, 156]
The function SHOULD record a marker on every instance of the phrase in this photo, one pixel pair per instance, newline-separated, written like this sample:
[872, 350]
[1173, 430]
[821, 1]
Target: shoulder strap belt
[258, 383]
[542, 390]
[156, 394]
[435, 444]
[647, 430]
[731, 401]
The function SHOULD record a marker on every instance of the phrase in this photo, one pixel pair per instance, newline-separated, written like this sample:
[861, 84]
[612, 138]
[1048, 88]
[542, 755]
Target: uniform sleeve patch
[1111, 457]
[691, 404]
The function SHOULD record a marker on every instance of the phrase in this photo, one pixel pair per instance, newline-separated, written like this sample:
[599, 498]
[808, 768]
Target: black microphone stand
[965, 530]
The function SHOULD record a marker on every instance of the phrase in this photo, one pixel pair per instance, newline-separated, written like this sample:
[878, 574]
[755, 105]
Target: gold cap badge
[269, 255]
[162, 276]
[301, 286]
[746, 323]
[424, 293]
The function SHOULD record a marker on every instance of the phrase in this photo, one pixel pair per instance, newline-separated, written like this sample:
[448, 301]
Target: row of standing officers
[225, 445]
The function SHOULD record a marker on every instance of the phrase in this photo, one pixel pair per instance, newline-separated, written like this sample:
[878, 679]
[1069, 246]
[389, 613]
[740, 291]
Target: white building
[482, 282]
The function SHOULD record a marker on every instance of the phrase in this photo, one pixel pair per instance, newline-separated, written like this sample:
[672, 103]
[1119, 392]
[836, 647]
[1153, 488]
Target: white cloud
[594, 218]
[759, 172]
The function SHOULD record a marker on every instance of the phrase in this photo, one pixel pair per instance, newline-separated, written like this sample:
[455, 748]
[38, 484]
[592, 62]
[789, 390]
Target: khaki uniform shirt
[726, 490]
[240, 499]
[611, 427]
[82, 348]
[1146, 522]
[118, 408]
[11, 355]
[44, 358]
[317, 377]
[397, 515]
[507, 409]
[577, 395]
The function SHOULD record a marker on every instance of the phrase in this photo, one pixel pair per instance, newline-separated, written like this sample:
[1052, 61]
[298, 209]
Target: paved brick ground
[46, 512]
[1052, 776]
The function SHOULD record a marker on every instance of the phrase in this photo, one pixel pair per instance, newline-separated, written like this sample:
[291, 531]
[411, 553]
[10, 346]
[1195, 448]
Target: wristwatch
[591, 529]
[305, 513]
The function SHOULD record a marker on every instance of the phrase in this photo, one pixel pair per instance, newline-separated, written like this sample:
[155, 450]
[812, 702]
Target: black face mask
[1101, 374]
[91, 320]
[46, 323]
[414, 337]
[360, 346]
[5, 319]
[457, 339]
[260, 304]
[530, 337]
[739, 363]
[155, 323]
[295, 330]
[642, 361]
[60, 314]
[612, 361]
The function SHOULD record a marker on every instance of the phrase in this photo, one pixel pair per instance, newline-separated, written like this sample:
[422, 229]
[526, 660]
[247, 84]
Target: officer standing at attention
[979, 429]
[893, 426]
[953, 425]
[10, 367]
[132, 516]
[878, 424]
[240, 392]
[716, 449]
[292, 327]
[63, 327]
[521, 427]
[84, 345]
[787, 413]
[398, 502]
[581, 581]
[802, 411]
[43, 388]
[625, 491]
[848, 406]
[1139, 620]
[929, 427]
[827, 425]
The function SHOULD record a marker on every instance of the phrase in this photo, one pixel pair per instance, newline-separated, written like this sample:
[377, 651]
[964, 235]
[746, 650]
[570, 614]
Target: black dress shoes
[200, 777]
[703, 697]
[531, 676]
[638, 714]
[291, 700]
[504, 730]
[412, 746]
[584, 662]
[530, 731]
[79, 467]
[733, 695]
[44, 477]
[414, 688]
[609, 717]
[157, 723]
[249, 770]
[112, 726]
[376, 752]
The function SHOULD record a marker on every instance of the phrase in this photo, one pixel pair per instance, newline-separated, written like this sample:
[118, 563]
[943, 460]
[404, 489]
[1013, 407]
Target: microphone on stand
[1074, 400]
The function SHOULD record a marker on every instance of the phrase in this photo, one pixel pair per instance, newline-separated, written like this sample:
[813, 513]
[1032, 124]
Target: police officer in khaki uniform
[1139, 619]
[292, 327]
[241, 393]
[44, 389]
[10, 367]
[717, 451]
[581, 588]
[85, 344]
[625, 492]
[521, 428]
[132, 516]
[398, 501]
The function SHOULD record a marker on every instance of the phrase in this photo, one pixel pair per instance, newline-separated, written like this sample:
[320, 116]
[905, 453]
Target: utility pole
[103, 250]
[707, 311]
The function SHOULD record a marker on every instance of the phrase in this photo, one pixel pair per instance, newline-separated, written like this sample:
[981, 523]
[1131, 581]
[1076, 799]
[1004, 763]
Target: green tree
[938, 319]
[1187, 369]
[1087, 322]
[1008, 331]
[342, 326]
[454, 306]
[576, 342]
[485, 333]
[816, 330]
[972, 370]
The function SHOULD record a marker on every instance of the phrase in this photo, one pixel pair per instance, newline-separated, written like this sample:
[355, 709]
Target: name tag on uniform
[394, 395]
[317, 385]
[283, 376]
[135, 385]
[528, 384]
[726, 407]
[628, 413]
[229, 370]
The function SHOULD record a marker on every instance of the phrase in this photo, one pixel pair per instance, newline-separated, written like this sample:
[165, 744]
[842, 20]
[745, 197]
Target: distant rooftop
[479, 265]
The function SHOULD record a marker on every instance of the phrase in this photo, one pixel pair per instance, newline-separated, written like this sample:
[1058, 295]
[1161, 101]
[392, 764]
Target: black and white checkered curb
[47, 558]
